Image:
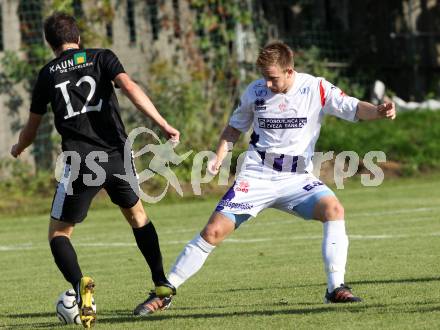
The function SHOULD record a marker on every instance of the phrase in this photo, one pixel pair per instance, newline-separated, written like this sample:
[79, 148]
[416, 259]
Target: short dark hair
[275, 53]
[60, 28]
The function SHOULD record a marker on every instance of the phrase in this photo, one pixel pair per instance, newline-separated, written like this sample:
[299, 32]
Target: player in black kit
[78, 84]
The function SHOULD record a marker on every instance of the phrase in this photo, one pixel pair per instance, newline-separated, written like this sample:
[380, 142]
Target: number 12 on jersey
[86, 108]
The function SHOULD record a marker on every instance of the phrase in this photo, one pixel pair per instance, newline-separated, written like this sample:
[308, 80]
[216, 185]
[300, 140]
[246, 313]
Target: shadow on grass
[358, 308]
[29, 315]
[398, 280]
[41, 325]
[259, 313]
[125, 316]
[379, 281]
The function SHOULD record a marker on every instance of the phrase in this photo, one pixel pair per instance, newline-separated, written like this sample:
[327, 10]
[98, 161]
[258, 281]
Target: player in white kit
[286, 110]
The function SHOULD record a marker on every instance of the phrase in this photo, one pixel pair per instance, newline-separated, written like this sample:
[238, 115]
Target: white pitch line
[16, 247]
[293, 220]
[400, 211]
[9, 248]
[30, 246]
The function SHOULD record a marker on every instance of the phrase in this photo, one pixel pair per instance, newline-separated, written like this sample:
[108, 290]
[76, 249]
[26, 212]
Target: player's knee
[136, 216]
[58, 228]
[217, 229]
[211, 234]
[334, 211]
[139, 219]
[59, 232]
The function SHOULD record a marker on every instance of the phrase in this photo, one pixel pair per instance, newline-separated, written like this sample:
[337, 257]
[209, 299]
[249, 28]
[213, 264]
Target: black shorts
[73, 196]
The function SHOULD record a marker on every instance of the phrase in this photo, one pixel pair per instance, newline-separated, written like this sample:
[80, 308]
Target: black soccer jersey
[78, 85]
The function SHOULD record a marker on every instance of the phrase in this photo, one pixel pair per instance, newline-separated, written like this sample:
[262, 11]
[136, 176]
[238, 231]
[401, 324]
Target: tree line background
[194, 58]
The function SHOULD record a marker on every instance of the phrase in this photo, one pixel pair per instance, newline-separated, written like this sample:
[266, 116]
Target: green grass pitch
[268, 275]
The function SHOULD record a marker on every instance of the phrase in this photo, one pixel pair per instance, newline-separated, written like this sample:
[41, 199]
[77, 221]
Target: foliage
[18, 180]
[180, 98]
[411, 139]
[310, 60]
[216, 23]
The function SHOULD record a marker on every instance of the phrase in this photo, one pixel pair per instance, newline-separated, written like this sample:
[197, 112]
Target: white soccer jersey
[289, 123]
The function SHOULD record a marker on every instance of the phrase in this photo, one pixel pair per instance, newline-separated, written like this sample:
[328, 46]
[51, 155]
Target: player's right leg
[63, 252]
[246, 198]
[195, 253]
[191, 260]
[66, 259]
[69, 208]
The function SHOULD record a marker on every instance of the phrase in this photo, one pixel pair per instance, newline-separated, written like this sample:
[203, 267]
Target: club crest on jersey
[80, 58]
[260, 104]
[282, 107]
[242, 186]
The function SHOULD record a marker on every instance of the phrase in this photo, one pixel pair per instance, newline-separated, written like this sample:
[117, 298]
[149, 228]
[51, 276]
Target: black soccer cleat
[158, 300]
[341, 294]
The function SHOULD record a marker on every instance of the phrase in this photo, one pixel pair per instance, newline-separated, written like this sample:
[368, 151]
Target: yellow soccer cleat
[86, 312]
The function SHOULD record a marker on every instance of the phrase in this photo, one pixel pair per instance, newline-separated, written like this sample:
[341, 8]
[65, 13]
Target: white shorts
[293, 193]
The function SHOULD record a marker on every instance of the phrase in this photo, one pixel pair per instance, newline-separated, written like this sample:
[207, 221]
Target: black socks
[148, 243]
[146, 239]
[66, 259]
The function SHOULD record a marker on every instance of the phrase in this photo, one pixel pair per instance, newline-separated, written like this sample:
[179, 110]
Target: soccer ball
[67, 308]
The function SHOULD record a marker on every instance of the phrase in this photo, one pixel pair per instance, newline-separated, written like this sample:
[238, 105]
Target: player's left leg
[330, 212]
[123, 194]
[309, 198]
[148, 243]
[147, 240]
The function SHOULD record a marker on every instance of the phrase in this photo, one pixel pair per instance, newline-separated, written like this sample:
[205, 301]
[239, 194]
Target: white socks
[334, 252]
[190, 260]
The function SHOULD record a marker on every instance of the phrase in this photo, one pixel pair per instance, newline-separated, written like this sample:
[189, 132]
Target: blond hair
[275, 53]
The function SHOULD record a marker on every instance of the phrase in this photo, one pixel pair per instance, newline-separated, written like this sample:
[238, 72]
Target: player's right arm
[229, 136]
[240, 122]
[143, 103]
[27, 134]
[40, 99]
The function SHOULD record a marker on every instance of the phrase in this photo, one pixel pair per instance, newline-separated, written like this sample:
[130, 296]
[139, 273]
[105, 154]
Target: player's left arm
[143, 103]
[367, 111]
[27, 134]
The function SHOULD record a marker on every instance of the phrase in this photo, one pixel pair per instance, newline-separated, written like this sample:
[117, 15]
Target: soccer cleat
[158, 300]
[341, 294]
[86, 312]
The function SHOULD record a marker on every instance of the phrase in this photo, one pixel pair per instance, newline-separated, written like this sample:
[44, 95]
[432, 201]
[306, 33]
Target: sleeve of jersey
[40, 97]
[111, 64]
[334, 102]
[243, 116]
